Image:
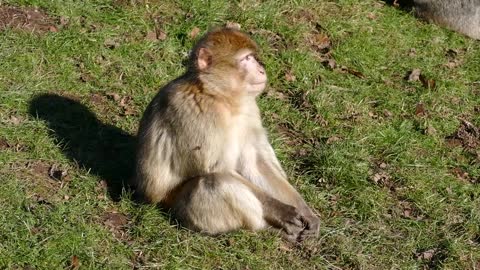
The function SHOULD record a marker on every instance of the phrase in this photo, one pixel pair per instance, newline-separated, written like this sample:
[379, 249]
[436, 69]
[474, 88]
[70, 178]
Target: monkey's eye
[248, 57]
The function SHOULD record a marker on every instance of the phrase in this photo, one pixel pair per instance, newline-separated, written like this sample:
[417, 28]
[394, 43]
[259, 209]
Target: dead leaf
[58, 174]
[412, 52]
[414, 75]
[371, 16]
[16, 120]
[328, 62]
[387, 113]
[333, 139]
[285, 247]
[430, 130]
[151, 36]
[320, 42]
[289, 76]
[380, 177]
[427, 83]
[161, 35]
[114, 96]
[194, 33]
[111, 43]
[420, 109]
[85, 77]
[4, 144]
[344, 69]
[460, 173]
[427, 255]
[64, 20]
[74, 263]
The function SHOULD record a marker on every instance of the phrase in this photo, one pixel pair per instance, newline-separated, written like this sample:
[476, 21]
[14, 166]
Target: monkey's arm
[259, 165]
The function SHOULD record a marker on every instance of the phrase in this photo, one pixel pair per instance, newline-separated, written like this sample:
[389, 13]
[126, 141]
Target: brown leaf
[430, 130]
[329, 62]
[4, 144]
[194, 33]
[412, 52]
[462, 175]
[320, 42]
[111, 43]
[387, 113]
[151, 36]
[414, 75]
[380, 177]
[371, 16]
[427, 83]
[114, 96]
[57, 174]
[161, 35]
[285, 247]
[333, 139]
[64, 20]
[427, 255]
[53, 29]
[289, 76]
[74, 263]
[16, 120]
[420, 109]
[85, 77]
[355, 73]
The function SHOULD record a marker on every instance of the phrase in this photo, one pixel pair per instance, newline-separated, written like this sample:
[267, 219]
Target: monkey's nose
[262, 71]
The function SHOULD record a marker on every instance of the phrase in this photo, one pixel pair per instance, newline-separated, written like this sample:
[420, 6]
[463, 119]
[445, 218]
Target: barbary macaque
[460, 15]
[204, 154]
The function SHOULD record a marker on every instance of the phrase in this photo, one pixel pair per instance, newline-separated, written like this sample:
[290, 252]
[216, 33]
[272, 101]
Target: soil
[26, 18]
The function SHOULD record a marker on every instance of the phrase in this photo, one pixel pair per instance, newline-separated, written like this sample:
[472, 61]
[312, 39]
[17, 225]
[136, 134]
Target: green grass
[391, 189]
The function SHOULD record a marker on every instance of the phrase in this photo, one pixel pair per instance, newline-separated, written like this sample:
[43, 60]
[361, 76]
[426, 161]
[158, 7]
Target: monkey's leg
[260, 166]
[222, 202]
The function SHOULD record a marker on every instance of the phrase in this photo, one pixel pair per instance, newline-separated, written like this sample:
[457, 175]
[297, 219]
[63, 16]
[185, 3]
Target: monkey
[204, 154]
[460, 15]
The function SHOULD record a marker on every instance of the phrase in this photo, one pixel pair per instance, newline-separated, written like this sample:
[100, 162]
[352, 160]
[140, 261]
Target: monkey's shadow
[102, 149]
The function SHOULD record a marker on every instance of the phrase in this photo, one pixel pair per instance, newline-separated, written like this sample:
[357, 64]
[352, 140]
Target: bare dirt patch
[116, 223]
[467, 136]
[27, 19]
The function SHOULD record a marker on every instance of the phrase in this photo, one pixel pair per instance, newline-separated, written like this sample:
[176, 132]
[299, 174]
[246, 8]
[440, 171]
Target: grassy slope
[381, 177]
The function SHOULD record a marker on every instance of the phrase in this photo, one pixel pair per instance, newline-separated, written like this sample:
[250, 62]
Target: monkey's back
[181, 135]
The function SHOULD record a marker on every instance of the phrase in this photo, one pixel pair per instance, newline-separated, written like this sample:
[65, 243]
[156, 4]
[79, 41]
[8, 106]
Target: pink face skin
[256, 77]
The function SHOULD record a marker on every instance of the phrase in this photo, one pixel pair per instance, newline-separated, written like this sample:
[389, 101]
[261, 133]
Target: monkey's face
[253, 75]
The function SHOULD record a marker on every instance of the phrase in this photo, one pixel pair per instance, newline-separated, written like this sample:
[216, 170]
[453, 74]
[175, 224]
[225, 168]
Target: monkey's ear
[204, 59]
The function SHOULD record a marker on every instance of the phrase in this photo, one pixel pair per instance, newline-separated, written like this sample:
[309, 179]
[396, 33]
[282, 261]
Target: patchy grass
[389, 159]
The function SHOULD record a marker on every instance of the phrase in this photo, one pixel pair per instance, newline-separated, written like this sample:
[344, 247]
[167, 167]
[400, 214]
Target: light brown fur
[204, 153]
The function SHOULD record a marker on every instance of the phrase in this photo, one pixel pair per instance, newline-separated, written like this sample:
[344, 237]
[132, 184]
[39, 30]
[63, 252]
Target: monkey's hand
[311, 225]
[284, 217]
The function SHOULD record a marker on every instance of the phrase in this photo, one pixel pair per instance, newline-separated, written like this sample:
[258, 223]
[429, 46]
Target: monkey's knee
[218, 203]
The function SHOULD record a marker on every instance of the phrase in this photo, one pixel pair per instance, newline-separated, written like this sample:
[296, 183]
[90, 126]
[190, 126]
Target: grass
[395, 183]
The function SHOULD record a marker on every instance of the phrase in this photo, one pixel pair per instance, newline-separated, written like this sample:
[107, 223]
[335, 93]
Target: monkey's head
[229, 56]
